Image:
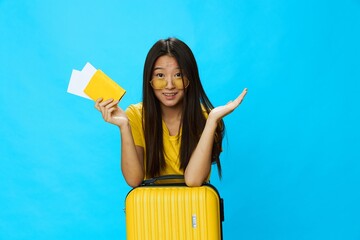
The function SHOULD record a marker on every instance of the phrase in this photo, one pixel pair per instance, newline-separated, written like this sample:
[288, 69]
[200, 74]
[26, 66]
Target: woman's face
[167, 82]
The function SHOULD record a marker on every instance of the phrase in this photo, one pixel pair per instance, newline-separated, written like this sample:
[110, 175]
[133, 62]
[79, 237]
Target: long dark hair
[193, 119]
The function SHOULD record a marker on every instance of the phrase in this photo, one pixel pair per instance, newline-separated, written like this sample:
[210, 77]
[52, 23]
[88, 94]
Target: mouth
[169, 94]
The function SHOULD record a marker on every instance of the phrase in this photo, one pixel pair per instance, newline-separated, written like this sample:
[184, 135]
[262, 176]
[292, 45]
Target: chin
[171, 104]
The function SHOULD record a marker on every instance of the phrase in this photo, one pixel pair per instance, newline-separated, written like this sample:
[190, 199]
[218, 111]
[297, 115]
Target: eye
[160, 75]
[178, 75]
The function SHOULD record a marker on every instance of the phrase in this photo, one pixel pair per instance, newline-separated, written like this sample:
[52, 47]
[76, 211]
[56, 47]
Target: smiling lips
[169, 95]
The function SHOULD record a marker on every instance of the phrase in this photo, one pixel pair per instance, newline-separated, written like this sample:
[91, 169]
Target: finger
[243, 93]
[103, 112]
[112, 104]
[241, 96]
[103, 104]
[234, 104]
[109, 112]
[97, 102]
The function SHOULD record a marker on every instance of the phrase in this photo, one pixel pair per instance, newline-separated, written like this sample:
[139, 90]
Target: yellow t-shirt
[171, 143]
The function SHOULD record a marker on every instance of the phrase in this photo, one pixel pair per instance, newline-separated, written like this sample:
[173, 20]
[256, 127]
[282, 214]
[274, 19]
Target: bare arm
[132, 156]
[200, 161]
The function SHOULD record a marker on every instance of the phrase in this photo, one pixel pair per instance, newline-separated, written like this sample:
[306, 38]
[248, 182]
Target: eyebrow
[157, 68]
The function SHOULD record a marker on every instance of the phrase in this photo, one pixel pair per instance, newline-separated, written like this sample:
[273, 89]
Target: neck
[172, 118]
[171, 113]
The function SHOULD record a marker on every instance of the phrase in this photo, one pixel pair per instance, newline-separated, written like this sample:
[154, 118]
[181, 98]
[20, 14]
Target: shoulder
[134, 110]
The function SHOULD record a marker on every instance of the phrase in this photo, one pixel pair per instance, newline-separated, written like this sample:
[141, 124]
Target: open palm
[221, 111]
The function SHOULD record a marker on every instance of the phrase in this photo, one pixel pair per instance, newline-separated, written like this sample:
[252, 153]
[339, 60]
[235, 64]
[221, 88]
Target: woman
[176, 129]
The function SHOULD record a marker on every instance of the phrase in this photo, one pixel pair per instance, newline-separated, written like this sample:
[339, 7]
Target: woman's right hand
[111, 112]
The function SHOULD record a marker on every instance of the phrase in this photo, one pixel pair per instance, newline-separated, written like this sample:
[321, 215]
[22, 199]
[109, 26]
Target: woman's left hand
[219, 112]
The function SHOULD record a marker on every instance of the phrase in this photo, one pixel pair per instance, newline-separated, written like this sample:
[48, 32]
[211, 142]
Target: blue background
[291, 157]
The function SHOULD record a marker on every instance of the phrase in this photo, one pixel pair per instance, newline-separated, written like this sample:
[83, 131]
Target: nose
[169, 83]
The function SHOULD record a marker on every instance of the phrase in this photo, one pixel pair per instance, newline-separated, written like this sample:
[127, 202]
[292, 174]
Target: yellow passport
[102, 86]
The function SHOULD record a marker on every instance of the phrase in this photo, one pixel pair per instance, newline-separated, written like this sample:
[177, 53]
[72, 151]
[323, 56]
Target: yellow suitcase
[173, 211]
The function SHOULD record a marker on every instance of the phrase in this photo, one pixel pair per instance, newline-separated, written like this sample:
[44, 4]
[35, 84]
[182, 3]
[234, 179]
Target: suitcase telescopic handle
[152, 181]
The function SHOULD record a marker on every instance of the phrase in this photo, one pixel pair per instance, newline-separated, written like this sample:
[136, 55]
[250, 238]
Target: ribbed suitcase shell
[173, 213]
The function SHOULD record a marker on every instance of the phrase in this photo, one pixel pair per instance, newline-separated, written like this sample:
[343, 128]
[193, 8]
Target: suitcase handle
[152, 181]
